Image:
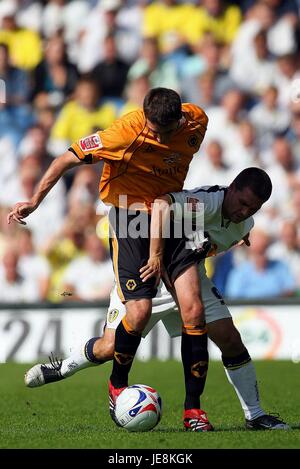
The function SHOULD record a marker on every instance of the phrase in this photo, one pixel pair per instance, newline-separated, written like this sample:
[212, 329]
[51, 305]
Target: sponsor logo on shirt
[92, 142]
[171, 159]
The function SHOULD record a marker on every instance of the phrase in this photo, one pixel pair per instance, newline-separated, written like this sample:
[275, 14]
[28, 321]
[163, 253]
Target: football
[138, 408]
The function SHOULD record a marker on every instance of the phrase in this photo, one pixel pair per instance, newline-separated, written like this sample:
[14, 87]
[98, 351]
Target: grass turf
[74, 413]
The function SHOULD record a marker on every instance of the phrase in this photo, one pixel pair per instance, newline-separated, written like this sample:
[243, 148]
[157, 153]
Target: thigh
[129, 253]
[178, 256]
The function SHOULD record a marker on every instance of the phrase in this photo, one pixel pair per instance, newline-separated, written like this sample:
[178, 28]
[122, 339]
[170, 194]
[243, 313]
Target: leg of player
[241, 374]
[127, 340]
[193, 348]
[95, 351]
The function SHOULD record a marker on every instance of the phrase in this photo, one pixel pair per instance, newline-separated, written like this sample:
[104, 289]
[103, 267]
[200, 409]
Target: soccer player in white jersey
[227, 221]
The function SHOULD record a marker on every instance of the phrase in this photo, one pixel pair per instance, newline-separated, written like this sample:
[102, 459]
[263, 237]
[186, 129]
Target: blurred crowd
[69, 68]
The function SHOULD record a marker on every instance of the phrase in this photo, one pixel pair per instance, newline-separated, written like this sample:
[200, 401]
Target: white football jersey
[205, 203]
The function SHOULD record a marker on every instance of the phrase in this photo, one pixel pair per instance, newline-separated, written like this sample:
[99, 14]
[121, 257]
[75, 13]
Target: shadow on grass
[216, 430]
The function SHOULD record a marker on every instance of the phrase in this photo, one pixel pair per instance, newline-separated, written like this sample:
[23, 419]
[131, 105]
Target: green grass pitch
[74, 413]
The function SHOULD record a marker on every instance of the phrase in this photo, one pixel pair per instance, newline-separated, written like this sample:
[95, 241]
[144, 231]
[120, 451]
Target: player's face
[241, 204]
[163, 133]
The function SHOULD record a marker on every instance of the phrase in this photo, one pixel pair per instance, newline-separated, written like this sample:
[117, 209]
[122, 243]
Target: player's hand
[20, 210]
[153, 268]
[245, 240]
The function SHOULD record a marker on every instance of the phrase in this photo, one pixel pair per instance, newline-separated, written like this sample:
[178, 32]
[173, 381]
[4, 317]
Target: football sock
[80, 358]
[126, 345]
[195, 363]
[241, 374]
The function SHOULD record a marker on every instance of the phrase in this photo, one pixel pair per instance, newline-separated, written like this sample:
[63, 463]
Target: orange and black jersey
[136, 164]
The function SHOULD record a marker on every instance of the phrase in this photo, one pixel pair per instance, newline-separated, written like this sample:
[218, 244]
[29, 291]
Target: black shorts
[129, 250]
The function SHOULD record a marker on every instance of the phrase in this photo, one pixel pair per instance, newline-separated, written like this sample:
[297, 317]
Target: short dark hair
[162, 106]
[257, 180]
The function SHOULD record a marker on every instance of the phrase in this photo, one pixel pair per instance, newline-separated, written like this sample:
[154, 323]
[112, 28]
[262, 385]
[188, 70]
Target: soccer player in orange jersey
[146, 154]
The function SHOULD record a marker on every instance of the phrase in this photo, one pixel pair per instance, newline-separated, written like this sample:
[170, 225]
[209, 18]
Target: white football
[138, 408]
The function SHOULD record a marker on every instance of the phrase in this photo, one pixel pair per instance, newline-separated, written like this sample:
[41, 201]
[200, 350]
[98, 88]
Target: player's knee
[138, 315]
[193, 313]
[231, 343]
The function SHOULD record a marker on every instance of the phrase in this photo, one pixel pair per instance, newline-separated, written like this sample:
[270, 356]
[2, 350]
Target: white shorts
[165, 309]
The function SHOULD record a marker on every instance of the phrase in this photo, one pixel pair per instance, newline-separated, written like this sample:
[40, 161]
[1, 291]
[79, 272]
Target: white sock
[243, 380]
[75, 362]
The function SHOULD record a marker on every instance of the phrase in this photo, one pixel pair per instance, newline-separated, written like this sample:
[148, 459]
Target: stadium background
[68, 68]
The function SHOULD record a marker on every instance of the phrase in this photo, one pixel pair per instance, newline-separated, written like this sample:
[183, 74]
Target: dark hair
[162, 106]
[257, 180]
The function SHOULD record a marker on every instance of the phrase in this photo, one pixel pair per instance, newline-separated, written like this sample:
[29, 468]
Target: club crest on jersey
[92, 142]
[112, 315]
[171, 159]
[149, 149]
[193, 141]
[131, 284]
[193, 204]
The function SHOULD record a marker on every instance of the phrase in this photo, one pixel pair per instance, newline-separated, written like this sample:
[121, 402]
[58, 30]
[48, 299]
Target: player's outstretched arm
[160, 216]
[57, 168]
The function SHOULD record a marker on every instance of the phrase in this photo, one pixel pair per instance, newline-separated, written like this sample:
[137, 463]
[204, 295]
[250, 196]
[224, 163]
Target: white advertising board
[269, 332]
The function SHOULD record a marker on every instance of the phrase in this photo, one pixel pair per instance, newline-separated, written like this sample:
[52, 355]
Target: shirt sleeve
[109, 144]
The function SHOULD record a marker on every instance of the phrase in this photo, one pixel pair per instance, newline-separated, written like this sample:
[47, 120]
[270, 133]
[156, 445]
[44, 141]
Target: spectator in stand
[44, 113]
[227, 116]
[294, 208]
[135, 92]
[84, 189]
[215, 16]
[55, 75]
[15, 112]
[269, 118]
[284, 172]
[163, 20]
[260, 277]
[25, 46]
[161, 72]
[60, 250]
[32, 265]
[111, 72]
[34, 143]
[14, 287]
[293, 133]
[66, 17]
[280, 31]
[90, 277]
[288, 72]
[288, 248]
[8, 160]
[97, 25]
[255, 73]
[211, 167]
[81, 116]
[208, 57]
[244, 152]
[21, 186]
